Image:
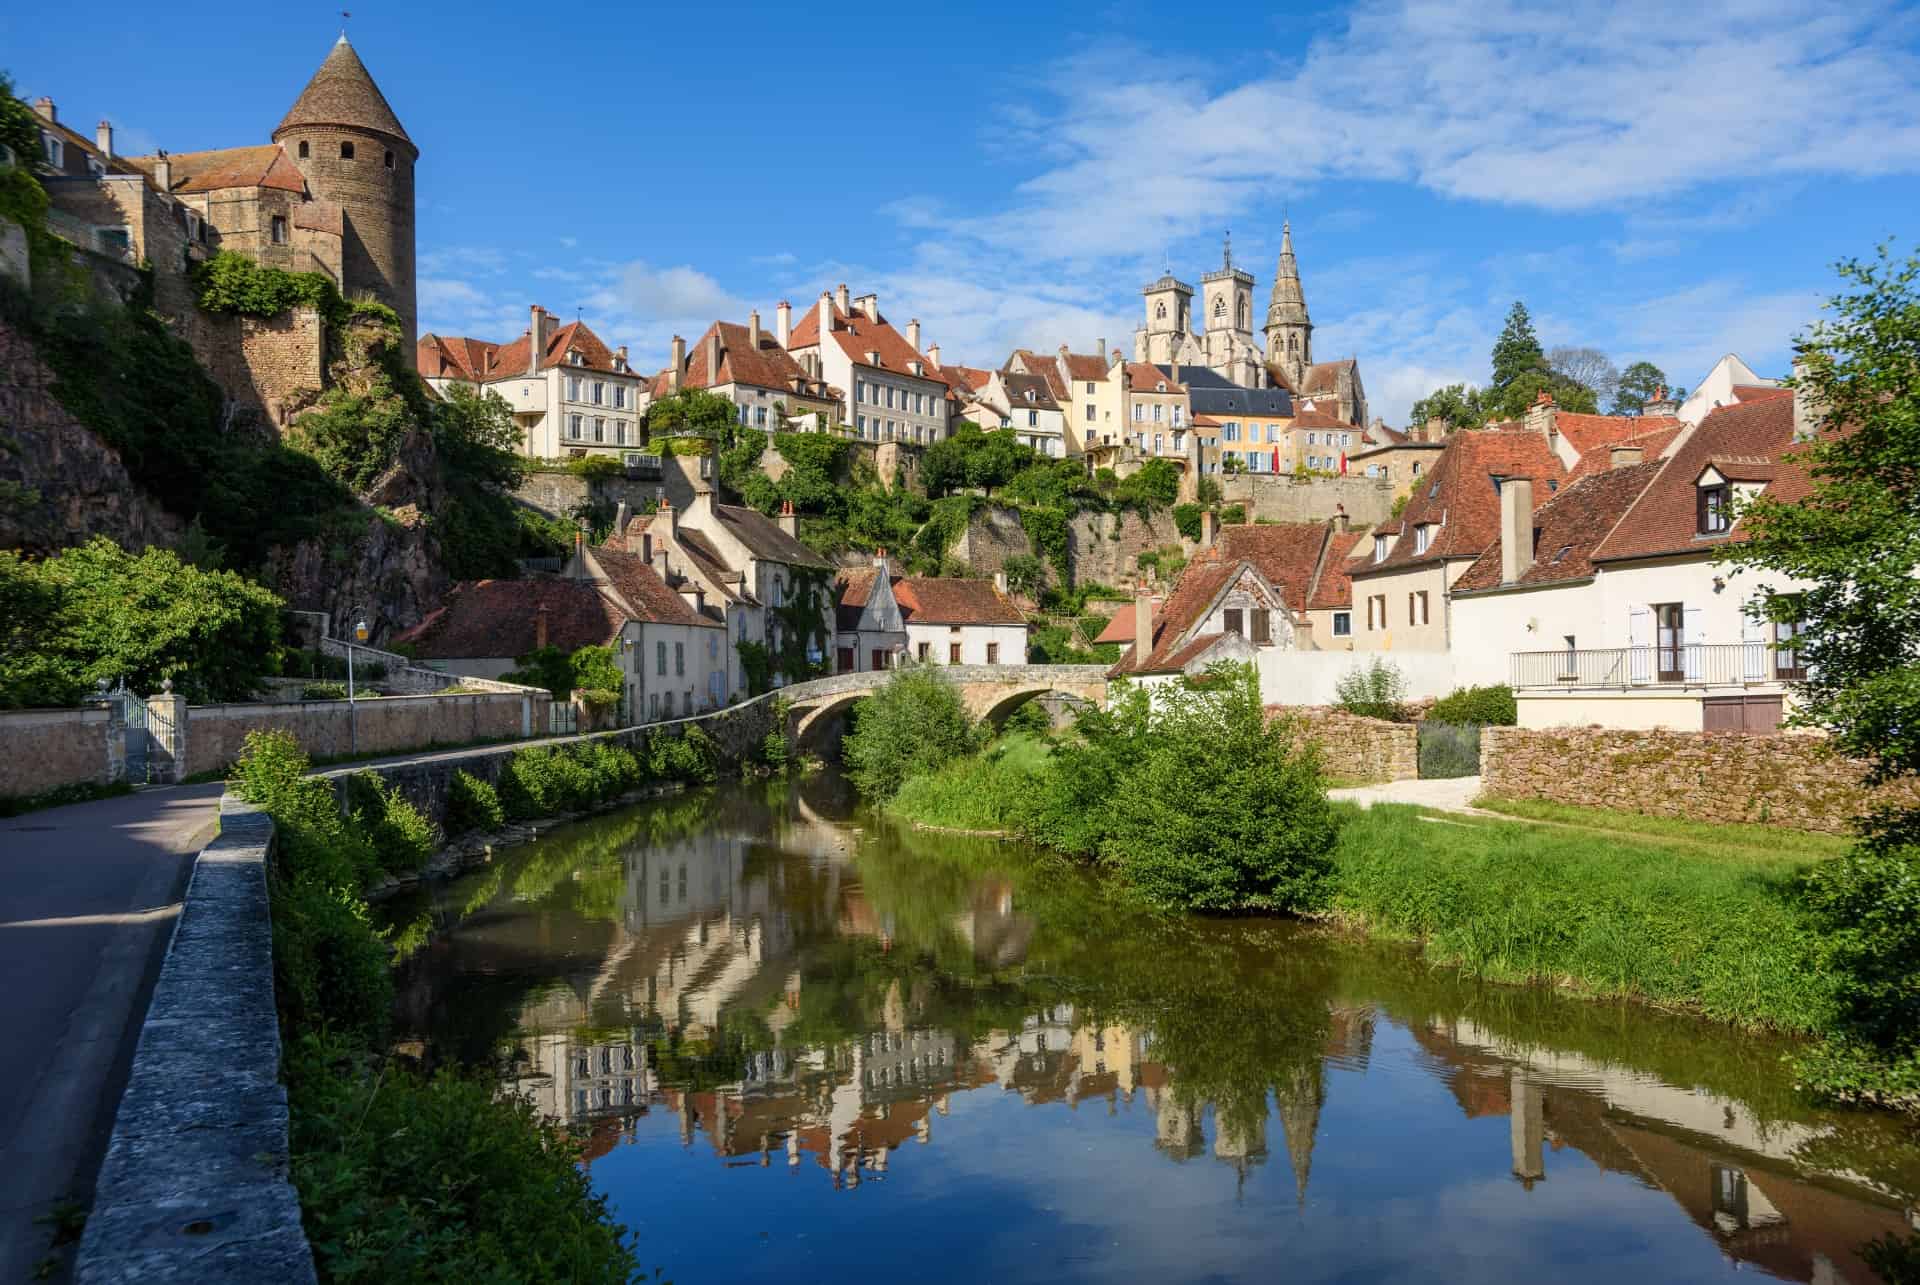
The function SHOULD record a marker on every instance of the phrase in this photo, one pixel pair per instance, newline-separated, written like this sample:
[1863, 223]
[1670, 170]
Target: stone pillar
[167, 734]
[1527, 1121]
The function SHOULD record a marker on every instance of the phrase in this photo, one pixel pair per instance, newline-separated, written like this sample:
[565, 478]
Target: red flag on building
[1276, 459]
[1343, 463]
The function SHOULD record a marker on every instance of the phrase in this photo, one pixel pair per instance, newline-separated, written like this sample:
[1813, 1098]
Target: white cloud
[646, 293]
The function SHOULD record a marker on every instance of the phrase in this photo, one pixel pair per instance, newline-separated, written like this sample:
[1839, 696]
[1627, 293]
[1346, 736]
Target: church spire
[1288, 303]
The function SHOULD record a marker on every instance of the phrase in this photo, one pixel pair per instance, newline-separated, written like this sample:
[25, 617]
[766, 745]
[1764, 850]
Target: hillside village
[1570, 555]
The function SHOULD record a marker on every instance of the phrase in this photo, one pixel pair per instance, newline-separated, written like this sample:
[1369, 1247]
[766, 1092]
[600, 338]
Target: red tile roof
[1202, 582]
[928, 600]
[852, 589]
[1567, 529]
[857, 335]
[1120, 625]
[1018, 386]
[1759, 392]
[971, 377]
[1287, 553]
[492, 619]
[1334, 589]
[1147, 378]
[262, 165]
[1590, 433]
[1088, 366]
[770, 367]
[650, 597]
[438, 357]
[1652, 447]
[1042, 366]
[342, 92]
[510, 361]
[1318, 418]
[1457, 496]
[1665, 518]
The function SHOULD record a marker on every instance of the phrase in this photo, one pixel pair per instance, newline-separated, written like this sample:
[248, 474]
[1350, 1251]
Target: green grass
[980, 792]
[1666, 920]
[1742, 841]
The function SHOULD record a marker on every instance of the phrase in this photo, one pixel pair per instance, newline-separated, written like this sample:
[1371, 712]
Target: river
[806, 1044]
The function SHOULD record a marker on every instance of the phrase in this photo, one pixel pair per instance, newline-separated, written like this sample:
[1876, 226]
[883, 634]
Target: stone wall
[268, 367]
[1354, 748]
[1281, 497]
[559, 495]
[383, 725]
[44, 749]
[1724, 777]
[994, 534]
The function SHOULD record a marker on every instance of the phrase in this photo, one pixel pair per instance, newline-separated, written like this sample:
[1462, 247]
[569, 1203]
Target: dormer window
[1160, 387]
[56, 150]
[1713, 504]
[1380, 545]
[96, 166]
[1422, 537]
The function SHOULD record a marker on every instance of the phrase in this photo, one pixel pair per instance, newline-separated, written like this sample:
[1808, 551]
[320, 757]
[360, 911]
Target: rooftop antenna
[1228, 256]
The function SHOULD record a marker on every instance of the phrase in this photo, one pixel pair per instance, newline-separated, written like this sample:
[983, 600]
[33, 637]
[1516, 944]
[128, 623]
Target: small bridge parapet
[991, 692]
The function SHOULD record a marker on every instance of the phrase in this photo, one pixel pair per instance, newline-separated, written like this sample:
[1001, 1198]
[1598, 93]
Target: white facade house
[885, 619]
[893, 391]
[1729, 382]
[1022, 404]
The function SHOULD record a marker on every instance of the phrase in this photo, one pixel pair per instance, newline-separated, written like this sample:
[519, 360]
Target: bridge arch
[990, 692]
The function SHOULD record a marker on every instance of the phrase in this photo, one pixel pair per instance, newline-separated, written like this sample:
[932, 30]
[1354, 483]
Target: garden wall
[1354, 748]
[383, 725]
[1724, 777]
[44, 749]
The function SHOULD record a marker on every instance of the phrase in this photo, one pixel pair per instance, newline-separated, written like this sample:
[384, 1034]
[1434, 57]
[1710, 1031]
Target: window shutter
[1753, 637]
[1694, 632]
[1640, 639]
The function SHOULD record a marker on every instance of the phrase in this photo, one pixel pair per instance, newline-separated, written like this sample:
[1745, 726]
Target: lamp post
[353, 722]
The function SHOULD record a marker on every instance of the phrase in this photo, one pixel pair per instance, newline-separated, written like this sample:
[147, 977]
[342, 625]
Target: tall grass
[983, 792]
[1605, 914]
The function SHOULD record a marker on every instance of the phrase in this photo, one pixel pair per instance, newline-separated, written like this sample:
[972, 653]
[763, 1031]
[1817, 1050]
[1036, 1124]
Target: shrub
[408, 1177]
[1868, 903]
[530, 786]
[689, 756]
[313, 839]
[472, 804]
[1484, 706]
[1186, 519]
[912, 725]
[402, 837]
[1377, 690]
[613, 770]
[330, 969]
[1448, 749]
[1233, 515]
[324, 692]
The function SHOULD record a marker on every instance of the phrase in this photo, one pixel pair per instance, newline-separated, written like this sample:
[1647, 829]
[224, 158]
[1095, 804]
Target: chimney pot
[783, 322]
[103, 137]
[1516, 528]
[788, 520]
[677, 365]
[1341, 522]
[43, 108]
[842, 299]
[753, 330]
[868, 305]
[621, 353]
[913, 334]
[933, 353]
[163, 171]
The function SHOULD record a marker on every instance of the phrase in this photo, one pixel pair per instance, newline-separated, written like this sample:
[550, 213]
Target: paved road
[88, 896]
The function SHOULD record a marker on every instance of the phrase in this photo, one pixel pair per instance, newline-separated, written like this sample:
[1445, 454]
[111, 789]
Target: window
[679, 660]
[860, 425]
[1670, 640]
[620, 396]
[1033, 419]
[573, 388]
[1417, 608]
[1377, 611]
[389, 160]
[1089, 412]
[890, 397]
[1139, 413]
[303, 149]
[1233, 621]
[1422, 537]
[1262, 622]
[1343, 624]
[599, 392]
[660, 658]
[279, 229]
[1787, 664]
[573, 427]
[1380, 543]
[1159, 443]
[619, 432]
[1157, 409]
[599, 429]
[920, 653]
[346, 151]
[1313, 439]
[1714, 508]
[993, 653]
[760, 416]
[1416, 468]
[1179, 443]
[1176, 414]
[56, 150]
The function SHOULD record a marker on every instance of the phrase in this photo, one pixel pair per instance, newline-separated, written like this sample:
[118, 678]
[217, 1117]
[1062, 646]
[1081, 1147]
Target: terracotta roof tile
[1287, 554]
[938, 601]
[1041, 366]
[1457, 498]
[857, 335]
[498, 618]
[1089, 366]
[1591, 433]
[1665, 518]
[651, 598]
[509, 361]
[263, 165]
[1192, 594]
[1146, 378]
[1759, 392]
[771, 367]
[1334, 589]
[1653, 446]
[1120, 625]
[1018, 386]
[1317, 418]
[1568, 528]
[853, 587]
[440, 357]
[342, 92]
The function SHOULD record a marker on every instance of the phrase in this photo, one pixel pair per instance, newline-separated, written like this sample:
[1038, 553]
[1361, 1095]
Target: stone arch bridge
[991, 692]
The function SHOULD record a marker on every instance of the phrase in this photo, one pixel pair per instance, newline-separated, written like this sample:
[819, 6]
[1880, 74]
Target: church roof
[1211, 393]
[1288, 303]
[342, 92]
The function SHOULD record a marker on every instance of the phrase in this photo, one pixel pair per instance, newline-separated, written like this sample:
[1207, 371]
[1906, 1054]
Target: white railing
[1684, 664]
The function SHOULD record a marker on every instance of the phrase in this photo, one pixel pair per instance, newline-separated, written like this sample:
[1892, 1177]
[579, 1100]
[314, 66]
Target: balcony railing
[1682, 665]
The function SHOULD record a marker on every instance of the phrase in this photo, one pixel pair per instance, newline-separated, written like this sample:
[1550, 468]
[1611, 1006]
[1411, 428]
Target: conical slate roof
[1289, 302]
[1299, 1099]
[343, 93]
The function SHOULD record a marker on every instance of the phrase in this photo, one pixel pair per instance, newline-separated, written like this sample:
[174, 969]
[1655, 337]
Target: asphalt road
[88, 898]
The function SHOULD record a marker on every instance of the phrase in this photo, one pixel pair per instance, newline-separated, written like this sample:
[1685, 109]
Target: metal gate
[136, 730]
[1449, 750]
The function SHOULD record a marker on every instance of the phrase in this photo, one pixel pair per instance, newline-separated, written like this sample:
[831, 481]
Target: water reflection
[750, 981]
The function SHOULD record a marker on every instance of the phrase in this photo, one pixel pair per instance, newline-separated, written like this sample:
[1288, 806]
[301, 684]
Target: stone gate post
[167, 733]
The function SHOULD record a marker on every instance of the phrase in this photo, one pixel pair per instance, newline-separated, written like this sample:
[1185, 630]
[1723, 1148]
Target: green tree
[563, 673]
[1853, 543]
[1457, 404]
[1025, 574]
[31, 672]
[1155, 485]
[477, 438]
[1517, 351]
[969, 457]
[1637, 386]
[19, 128]
[915, 724]
[693, 412]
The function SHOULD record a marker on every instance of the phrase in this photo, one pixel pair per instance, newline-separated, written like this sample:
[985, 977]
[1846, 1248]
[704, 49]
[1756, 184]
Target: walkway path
[1452, 794]
[88, 895]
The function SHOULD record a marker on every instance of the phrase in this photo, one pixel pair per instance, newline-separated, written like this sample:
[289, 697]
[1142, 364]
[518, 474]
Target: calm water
[807, 1045]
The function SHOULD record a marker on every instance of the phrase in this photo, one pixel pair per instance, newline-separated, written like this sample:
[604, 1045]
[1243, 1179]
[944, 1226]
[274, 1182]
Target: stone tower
[1226, 302]
[1289, 329]
[354, 153]
[1169, 304]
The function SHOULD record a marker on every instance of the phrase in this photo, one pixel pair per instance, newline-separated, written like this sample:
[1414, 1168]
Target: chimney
[536, 338]
[880, 560]
[677, 364]
[1174, 368]
[826, 315]
[1625, 456]
[693, 595]
[753, 330]
[1516, 528]
[163, 171]
[1809, 409]
[1209, 528]
[656, 551]
[1000, 581]
[1341, 522]
[1540, 415]
[540, 626]
[783, 322]
[1142, 622]
[913, 334]
[103, 138]
[933, 353]
[620, 355]
[789, 521]
[869, 306]
[621, 515]
[43, 108]
[1434, 429]
[842, 299]
[1661, 404]
[669, 518]
[713, 357]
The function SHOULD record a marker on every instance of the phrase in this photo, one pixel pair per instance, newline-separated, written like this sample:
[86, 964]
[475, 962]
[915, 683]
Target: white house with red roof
[891, 390]
[750, 367]
[570, 393]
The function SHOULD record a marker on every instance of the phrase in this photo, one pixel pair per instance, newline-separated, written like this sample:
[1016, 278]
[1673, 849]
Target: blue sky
[1660, 181]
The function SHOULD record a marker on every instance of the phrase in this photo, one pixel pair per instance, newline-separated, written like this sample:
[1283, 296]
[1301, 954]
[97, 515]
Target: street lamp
[353, 722]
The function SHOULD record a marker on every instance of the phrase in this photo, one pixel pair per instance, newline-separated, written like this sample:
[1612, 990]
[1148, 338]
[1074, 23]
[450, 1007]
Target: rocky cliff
[1102, 547]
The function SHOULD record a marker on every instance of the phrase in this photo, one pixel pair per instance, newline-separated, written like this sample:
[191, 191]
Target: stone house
[569, 392]
[751, 368]
[885, 618]
[1609, 607]
[1401, 459]
[104, 202]
[872, 628]
[1021, 403]
[893, 392]
[1089, 401]
[1237, 422]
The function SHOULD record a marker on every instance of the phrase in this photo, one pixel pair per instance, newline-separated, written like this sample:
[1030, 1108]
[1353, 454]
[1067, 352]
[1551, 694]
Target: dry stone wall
[1281, 497]
[994, 534]
[1726, 777]
[44, 749]
[1354, 748]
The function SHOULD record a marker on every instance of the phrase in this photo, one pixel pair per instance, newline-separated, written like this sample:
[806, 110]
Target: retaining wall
[1356, 748]
[195, 1186]
[44, 749]
[1727, 777]
[383, 725]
